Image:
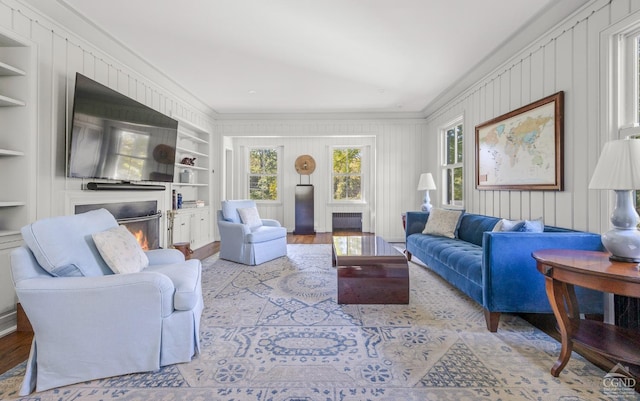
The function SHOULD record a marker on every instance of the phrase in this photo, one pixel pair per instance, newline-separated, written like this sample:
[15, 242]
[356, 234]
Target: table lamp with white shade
[619, 169]
[426, 184]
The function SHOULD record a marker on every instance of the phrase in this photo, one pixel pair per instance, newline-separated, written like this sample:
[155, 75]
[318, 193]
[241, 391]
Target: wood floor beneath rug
[14, 347]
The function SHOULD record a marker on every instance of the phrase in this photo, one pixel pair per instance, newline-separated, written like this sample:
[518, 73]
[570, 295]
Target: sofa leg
[492, 319]
[408, 255]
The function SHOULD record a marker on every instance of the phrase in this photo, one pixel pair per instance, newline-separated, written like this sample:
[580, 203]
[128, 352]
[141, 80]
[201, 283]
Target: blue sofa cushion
[63, 245]
[463, 257]
[472, 227]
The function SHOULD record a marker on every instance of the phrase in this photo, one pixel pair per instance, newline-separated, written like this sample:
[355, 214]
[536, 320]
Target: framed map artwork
[522, 150]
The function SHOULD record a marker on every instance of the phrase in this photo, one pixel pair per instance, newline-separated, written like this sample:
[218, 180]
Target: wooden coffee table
[370, 271]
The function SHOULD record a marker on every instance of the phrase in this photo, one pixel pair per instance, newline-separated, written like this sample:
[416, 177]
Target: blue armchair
[249, 244]
[90, 323]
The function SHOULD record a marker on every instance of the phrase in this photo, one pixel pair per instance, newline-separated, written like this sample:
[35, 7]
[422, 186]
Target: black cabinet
[304, 210]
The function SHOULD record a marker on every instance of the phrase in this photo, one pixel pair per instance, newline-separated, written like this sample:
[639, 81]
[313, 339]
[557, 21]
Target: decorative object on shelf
[426, 184]
[618, 168]
[305, 165]
[179, 201]
[186, 176]
[188, 161]
[164, 154]
[522, 149]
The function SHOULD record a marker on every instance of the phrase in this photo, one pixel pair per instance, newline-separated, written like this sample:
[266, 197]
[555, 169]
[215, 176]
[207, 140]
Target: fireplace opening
[142, 219]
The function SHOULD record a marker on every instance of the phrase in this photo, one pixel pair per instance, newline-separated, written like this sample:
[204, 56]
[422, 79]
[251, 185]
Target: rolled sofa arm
[511, 281]
[415, 222]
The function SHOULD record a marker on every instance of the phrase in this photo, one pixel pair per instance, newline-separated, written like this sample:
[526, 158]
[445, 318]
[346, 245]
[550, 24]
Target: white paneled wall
[63, 52]
[567, 58]
[395, 148]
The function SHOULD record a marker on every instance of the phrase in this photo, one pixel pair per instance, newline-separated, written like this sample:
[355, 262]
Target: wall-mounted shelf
[193, 138]
[9, 70]
[180, 165]
[191, 152]
[188, 184]
[11, 203]
[6, 101]
[7, 152]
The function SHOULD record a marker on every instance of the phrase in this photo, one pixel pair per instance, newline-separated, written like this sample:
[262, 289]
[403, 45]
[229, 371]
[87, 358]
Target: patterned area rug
[275, 333]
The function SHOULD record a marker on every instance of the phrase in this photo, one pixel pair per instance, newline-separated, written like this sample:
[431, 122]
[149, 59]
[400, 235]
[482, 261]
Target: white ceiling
[283, 56]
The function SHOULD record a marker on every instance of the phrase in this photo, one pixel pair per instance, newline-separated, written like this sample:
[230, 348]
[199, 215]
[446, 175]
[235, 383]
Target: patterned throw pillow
[523, 226]
[120, 249]
[250, 217]
[443, 222]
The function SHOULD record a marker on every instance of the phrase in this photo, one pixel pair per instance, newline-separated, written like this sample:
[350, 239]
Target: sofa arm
[233, 232]
[164, 256]
[53, 298]
[271, 223]
[511, 281]
[415, 222]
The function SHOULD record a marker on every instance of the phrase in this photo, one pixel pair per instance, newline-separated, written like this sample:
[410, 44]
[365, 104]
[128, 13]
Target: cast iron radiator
[347, 222]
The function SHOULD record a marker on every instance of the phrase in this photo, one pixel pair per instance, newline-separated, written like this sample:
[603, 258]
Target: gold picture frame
[523, 149]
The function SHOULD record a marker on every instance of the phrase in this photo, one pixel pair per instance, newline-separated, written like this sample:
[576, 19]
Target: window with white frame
[264, 177]
[628, 87]
[452, 168]
[346, 173]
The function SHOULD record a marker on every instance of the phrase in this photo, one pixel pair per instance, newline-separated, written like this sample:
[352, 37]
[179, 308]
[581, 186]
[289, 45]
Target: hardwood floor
[14, 348]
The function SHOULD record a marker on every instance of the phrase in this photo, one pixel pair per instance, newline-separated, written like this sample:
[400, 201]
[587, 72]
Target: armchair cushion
[230, 209]
[250, 217]
[266, 233]
[63, 245]
[120, 249]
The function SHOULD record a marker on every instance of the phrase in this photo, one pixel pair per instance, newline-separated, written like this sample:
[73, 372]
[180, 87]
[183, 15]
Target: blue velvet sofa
[496, 269]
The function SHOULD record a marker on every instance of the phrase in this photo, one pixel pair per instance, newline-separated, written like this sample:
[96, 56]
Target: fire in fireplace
[142, 219]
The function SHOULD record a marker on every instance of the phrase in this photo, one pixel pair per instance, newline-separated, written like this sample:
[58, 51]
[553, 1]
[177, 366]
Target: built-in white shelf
[7, 101]
[8, 70]
[193, 138]
[187, 184]
[193, 152]
[7, 233]
[7, 152]
[11, 203]
[191, 167]
[191, 125]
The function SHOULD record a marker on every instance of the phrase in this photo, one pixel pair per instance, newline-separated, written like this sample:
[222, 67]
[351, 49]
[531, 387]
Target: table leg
[557, 293]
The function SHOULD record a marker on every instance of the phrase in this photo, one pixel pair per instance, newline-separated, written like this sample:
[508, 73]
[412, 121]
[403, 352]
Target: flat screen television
[115, 137]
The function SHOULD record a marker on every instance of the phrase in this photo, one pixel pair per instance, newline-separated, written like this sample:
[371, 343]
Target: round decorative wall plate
[305, 165]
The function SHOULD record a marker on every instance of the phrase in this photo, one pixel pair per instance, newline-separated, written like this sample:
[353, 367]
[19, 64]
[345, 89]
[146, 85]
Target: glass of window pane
[459, 137]
[263, 187]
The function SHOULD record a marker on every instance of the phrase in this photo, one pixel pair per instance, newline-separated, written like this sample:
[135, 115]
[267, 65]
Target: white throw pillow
[250, 217]
[120, 249]
[443, 222]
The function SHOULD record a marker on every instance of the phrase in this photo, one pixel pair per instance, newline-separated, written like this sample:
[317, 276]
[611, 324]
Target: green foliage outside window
[347, 174]
[263, 174]
[454, 152]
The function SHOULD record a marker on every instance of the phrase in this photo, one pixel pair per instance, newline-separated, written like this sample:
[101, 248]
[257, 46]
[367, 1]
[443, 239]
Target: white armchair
[90, 323]
[246, 243]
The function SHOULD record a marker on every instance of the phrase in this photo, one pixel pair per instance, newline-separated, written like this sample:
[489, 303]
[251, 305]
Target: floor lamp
[426, 184]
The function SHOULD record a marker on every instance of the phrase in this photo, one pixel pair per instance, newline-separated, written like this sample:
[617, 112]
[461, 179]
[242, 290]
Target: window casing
[628, 88]
[346, 174]
[452, 167]
[263, 181]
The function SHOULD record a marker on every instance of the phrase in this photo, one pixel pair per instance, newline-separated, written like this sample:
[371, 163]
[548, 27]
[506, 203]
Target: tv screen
[115, 137]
